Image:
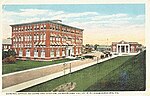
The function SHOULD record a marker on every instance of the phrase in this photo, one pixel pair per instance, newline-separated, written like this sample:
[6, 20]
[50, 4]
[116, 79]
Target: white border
[147, 34]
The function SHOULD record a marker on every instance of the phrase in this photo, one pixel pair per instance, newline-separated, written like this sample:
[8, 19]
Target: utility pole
[70, 67]
[64, 67]
[107, 44]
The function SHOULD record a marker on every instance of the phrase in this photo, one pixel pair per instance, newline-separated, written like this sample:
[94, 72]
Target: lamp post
[64, 67]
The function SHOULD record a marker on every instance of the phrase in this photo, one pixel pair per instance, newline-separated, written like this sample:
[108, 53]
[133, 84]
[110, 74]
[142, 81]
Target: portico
[123, 48]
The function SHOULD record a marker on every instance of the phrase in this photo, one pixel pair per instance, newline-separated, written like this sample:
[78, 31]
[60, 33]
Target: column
[120, 49]
[125, 48]
[117, 48]
[128, 48]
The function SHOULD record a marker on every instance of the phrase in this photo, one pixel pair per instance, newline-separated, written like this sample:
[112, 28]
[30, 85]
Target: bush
[9, 60]
[8, 53]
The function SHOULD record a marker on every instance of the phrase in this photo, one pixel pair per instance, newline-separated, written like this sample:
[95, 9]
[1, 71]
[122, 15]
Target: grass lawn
[130, 76]
[23, 65]
[83, 78]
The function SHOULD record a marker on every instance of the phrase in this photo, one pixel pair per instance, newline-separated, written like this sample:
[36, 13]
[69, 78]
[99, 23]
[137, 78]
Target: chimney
[57, 21]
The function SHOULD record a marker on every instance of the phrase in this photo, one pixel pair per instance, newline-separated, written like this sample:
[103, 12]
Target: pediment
[122, 42]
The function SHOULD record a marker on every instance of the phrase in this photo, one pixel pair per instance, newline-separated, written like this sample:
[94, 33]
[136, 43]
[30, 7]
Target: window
[16, 29]
[76, 50]
[37, 37]
[57, 28]
[57, 52]
[13, 28]
[132, 48]
[44, 26]
[63, 52]
[20, 53]
[34, 36]
[51, 27]
[37, 27]
[80, 49]
[30, 37]
[35, 53]
[44, 36]
[27, 53]
[41, 27]
[25, 28]
[73, 51]
[34, 27]
[21, 28]
[51, 38]
[43, 53]
[52, 53]
[30, 28]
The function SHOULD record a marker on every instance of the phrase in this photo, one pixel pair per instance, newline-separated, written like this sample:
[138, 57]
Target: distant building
[6, 44]
[125, 47]
[103, 48]
[46, 40]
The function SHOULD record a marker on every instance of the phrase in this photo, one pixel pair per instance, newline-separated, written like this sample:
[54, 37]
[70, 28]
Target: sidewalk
[22, 80]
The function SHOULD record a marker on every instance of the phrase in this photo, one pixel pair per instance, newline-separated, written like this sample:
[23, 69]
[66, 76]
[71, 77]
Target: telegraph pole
[70, 67]
[64, 65]
[107, 44]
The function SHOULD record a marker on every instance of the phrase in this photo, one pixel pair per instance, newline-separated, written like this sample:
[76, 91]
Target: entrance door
[122, 49]
[69, 51]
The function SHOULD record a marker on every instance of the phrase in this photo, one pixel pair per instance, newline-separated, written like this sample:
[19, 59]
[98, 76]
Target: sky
[102, 23]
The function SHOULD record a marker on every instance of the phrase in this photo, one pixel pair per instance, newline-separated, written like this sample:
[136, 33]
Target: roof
[46, 21]
[124, 42]
[6, 41]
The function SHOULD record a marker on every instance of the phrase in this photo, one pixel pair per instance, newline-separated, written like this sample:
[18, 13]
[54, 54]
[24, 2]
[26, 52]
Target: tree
[8, 53]
[95, 46]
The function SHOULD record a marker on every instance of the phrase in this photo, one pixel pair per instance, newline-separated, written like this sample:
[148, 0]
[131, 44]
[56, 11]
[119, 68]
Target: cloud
[92, 22]
[74, 15]
[102, 17]
[32, 12]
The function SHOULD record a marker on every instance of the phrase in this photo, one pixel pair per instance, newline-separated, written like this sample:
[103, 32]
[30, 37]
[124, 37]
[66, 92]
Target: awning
[59, 35]
[56, 43]
[43, 43]
[51, 43]
[36, 43]
[52, 35]
[59, 43]
[40, 43]
[69, 36]
[64, 43]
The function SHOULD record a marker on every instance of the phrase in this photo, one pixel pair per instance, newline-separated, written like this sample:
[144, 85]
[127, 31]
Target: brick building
[46, 40]
[125, 47]
[6, 44]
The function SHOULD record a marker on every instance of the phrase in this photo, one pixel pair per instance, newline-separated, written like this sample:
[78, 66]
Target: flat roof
[46, 21]
[6, 41]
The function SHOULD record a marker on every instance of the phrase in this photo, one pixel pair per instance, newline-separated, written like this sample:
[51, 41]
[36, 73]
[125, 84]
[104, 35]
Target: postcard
[70, 48]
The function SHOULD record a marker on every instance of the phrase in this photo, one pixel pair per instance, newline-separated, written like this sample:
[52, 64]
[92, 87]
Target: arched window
[27, 53]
